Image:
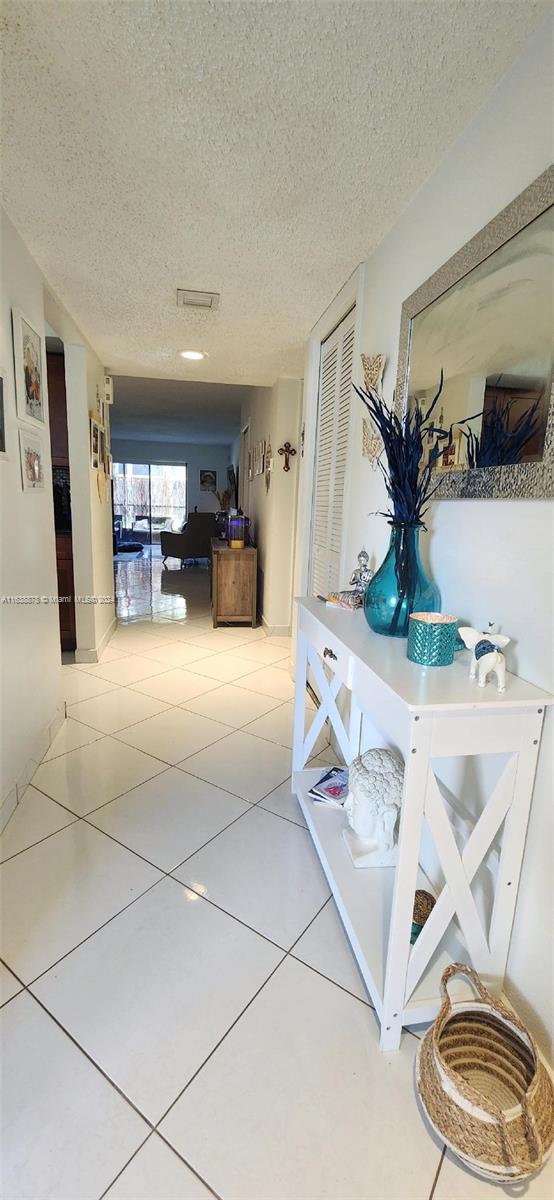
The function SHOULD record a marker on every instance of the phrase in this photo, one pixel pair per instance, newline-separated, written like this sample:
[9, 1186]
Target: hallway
[282, 271]
[178, 976]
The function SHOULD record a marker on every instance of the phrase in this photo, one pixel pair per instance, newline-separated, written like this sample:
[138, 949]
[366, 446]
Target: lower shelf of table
[364, 901]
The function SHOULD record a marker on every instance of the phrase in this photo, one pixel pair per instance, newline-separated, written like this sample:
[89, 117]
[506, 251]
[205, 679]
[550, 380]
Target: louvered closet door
[335, 386]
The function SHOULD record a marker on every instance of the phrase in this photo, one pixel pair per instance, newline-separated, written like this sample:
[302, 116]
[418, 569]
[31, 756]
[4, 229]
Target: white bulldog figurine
[372, 807]
[486, 658]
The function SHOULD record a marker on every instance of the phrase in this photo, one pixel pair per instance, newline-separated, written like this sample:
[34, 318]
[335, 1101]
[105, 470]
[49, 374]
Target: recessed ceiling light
[195, 355]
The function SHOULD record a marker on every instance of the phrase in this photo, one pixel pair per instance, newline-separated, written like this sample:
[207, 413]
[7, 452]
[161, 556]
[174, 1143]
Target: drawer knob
[328, 653]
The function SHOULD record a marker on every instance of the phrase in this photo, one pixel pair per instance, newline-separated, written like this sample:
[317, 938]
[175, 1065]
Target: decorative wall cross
[288, 452]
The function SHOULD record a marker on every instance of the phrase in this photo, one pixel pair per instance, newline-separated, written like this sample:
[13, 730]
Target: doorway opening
[244, 472]
[148, 499]
[61, 485]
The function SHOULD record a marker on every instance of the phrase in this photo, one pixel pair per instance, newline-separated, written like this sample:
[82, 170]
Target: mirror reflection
[492, 335]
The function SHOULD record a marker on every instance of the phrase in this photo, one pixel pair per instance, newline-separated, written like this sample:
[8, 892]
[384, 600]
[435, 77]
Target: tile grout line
[163, 875]
[287, 954]
[27, 988]
[252, 803]
[153, 1133]
[162, 760]
[76, 721]
[167, 875]
[89, 935]
[165, 767]
[221, 1039]
[437, 1173]
[152, 1128]
[132, 654]
[46, 837]
[235, 728]
[188, 667]
[156, 1133]
[111, 732]
[168, 705]
[76, 817]
[126, 1164]
[225, 911]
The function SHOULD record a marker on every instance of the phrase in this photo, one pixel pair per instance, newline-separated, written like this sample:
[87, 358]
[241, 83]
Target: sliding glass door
[148, 498]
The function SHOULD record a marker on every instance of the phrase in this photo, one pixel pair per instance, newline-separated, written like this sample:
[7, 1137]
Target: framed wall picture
[259, 456]
[30, 370]
[3, 452]
[94, 444]
[32, 462]
[208, 481]
[108, 389]
[101, 448]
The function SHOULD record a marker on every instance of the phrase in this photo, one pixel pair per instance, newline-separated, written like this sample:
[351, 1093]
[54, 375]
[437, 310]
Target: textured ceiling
[258, 149]
[176, 410]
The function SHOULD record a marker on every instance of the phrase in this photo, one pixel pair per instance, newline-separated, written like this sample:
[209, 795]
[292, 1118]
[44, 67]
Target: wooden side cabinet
[234, 574]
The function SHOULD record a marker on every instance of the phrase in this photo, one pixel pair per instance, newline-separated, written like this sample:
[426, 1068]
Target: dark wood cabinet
[57, 409]
[233, 590]
[64, 563]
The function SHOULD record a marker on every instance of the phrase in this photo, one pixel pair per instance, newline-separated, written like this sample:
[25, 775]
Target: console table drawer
[332, 652]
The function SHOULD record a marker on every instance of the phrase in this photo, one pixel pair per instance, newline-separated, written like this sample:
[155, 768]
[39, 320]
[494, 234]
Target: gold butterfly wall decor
[373, 367]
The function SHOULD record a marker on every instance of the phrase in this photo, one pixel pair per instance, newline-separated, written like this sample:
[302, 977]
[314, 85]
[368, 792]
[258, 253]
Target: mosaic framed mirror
[486, 318]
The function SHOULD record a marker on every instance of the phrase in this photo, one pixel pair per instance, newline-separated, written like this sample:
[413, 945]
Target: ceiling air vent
[189, 299]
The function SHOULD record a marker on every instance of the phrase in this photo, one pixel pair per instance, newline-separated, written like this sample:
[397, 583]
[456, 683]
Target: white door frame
[350, 294]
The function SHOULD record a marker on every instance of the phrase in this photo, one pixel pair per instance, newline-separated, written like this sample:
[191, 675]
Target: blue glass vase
[400, 586]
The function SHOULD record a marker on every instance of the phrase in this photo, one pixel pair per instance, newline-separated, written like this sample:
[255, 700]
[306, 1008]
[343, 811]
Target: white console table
[428, 714]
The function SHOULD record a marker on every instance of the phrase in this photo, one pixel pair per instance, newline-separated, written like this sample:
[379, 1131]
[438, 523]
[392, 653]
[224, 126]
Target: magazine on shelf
[332, 788]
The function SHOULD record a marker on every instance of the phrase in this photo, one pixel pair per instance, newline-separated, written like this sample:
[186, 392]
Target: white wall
[493, 560]
[30, 637]
[196, 456]
[273, 414]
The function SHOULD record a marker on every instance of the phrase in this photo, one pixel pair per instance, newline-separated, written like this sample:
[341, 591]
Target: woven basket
[483, 1086]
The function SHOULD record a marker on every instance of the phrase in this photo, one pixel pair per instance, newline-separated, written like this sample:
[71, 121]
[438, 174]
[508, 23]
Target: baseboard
[93, 656]
[275, 630]
[17, 791]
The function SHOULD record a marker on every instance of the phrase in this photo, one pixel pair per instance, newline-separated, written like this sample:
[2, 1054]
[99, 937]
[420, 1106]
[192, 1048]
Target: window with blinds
[335, 380]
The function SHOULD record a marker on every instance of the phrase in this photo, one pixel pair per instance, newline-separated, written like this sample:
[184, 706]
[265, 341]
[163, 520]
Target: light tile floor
[181, 1013]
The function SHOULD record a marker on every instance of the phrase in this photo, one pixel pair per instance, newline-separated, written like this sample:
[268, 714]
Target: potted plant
[401, 586]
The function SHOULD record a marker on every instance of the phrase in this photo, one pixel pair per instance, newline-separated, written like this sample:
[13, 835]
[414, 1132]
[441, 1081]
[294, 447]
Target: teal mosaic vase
[400, 586]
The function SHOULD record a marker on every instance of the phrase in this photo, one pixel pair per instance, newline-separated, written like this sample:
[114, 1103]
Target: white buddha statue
[372, 807]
